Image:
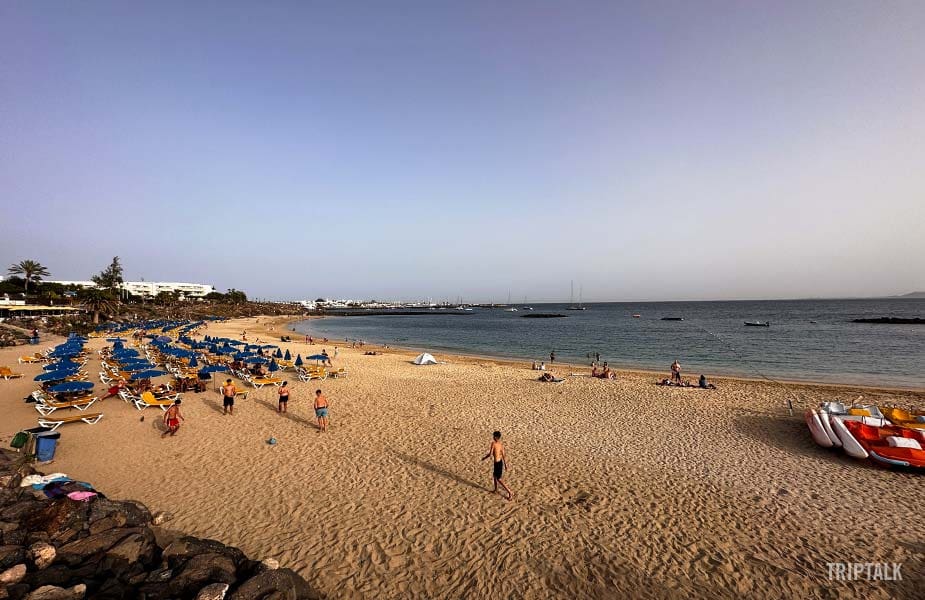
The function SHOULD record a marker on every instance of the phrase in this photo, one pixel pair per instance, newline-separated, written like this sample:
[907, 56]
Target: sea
[807, 340]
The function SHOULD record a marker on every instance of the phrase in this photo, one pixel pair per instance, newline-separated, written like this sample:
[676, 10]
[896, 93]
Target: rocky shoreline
[64, 549]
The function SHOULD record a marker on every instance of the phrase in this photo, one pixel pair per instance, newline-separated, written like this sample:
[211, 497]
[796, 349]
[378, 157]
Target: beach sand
[623, 488]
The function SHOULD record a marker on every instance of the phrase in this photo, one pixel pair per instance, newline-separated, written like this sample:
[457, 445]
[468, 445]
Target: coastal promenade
[623, 488]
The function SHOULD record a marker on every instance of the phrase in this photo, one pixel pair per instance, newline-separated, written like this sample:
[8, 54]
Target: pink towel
[84, 496]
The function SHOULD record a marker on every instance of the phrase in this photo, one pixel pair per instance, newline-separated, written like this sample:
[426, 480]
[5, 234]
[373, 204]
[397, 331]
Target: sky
[409, 150]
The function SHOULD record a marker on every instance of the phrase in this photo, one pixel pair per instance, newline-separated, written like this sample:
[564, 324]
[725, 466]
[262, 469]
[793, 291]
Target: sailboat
[525, 307]
[572, 299]
[510, 308]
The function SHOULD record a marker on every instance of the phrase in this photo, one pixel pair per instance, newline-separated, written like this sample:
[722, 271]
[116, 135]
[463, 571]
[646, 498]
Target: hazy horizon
[659, 150]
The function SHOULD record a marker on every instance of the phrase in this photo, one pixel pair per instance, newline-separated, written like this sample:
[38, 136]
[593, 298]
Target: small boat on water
[757, 324]
[672, 318]
[636, 316]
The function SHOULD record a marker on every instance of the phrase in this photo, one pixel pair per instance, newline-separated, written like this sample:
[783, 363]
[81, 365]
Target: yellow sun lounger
[147, 399]
[259, 382]
[35, 358]
[53, 423]
[7, 374]
[46, 408]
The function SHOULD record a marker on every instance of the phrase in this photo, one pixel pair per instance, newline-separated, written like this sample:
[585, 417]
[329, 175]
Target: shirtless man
[172, 419]
[228, 394]
[496, 452]
[676, 372]
[321, 411]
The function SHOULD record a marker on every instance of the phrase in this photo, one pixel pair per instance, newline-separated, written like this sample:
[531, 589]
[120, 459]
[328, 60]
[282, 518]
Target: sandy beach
[623, 488]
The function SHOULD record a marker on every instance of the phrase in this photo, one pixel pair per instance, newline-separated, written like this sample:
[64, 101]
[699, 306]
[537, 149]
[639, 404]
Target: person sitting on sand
[172, 419]
[496, 452]
[321, 410]
[542, 366]
[114, 390]
[607, 373]
[550, 378]
[704, 384]
[676, 372]
[594, 371]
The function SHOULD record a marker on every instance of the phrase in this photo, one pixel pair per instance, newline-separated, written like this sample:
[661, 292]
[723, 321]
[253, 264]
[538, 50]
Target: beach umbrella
[193, 362]
[317, 357]
[279, 353]
[213, 369]
[298, 360]
[163, 338]
[273, 366]
[53, 376]
[256, 360]
[72, 386]
[147, 374]
[288, 356]
[116, 340]
[61, 365]
[138, 367]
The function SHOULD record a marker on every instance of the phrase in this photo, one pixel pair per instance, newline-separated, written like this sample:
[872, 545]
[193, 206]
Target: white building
[80, 284]
[151, 289]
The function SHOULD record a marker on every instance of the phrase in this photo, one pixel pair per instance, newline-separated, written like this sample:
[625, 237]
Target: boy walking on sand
[228, 394]
[496, 451]
[172, 419]
[321, 410]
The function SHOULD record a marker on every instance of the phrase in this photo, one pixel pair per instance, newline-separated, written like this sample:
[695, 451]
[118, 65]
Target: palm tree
[30, 270]
[99, 301]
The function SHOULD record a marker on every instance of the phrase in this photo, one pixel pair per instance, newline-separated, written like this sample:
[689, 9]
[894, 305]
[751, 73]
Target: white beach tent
[425, 359]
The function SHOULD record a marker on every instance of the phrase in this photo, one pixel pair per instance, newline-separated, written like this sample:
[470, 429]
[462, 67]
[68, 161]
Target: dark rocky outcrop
[63, 549]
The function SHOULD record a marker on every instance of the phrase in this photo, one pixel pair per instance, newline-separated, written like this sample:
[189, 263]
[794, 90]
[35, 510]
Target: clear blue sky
[649, 150]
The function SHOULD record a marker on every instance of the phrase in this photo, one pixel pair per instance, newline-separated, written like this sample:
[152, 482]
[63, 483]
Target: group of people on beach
[675, 379]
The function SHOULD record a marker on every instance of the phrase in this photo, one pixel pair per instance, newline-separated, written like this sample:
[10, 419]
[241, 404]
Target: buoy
[272, 441]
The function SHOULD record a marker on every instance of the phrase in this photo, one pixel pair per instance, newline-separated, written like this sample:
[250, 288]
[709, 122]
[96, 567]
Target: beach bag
[19, 440]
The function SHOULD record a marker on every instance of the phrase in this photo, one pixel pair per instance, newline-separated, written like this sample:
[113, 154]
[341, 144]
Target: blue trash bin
[45, 445]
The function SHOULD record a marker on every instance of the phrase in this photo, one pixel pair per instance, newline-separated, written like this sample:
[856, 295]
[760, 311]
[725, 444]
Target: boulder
[186, 547]
[62, 519]
[11, 555]
[123, 513]
[61, 575]
[213, 591]
[277, 584]
[20, 510]
[16, 537]
[201, 570]
[13, 575]
[50, 592]
[270, 564]
[76, 552]
[16, 592]
[130, 556]
[42, 554]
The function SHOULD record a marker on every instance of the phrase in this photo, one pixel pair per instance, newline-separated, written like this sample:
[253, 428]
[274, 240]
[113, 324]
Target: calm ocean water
[811, 340]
